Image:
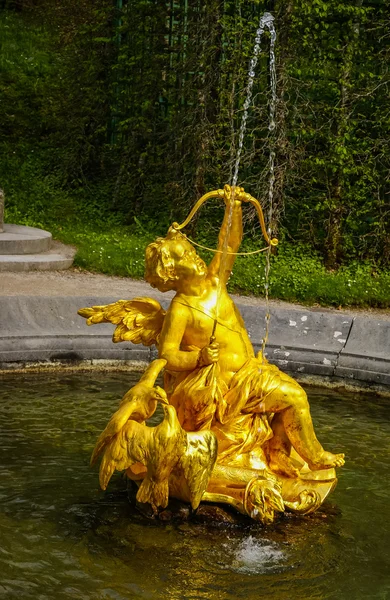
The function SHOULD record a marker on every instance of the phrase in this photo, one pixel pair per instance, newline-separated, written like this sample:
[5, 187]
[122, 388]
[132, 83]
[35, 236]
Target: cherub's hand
[209, 355]
[235, 193]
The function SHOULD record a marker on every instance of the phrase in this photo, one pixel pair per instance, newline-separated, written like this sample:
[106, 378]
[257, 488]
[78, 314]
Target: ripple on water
[257, 556]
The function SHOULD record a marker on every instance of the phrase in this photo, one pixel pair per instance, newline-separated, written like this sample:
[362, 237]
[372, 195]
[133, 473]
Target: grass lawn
[296, 275]
[105, 246]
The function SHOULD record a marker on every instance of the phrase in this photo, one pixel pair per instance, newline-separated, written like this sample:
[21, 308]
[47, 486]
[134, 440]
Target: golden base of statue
[236, 429]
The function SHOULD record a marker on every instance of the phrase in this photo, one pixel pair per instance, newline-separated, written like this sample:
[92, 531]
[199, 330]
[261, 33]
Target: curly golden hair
[159, 265]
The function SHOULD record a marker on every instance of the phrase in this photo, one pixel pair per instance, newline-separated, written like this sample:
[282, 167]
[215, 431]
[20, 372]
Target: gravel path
[75, 282]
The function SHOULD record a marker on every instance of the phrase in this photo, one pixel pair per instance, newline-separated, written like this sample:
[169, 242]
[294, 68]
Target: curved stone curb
[46, 261]
[302, 341]
[20, 239]
[24, 249]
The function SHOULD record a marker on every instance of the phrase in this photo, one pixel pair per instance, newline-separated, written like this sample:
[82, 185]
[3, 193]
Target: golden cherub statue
[236, 429]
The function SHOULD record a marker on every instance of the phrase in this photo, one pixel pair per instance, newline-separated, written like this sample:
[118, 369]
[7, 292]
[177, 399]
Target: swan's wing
[113, 428]
[198, 463]
[138, 404]
[139, 320]
[129, 446]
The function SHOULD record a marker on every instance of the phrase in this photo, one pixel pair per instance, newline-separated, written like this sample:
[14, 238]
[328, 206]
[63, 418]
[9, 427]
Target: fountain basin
[63, 538]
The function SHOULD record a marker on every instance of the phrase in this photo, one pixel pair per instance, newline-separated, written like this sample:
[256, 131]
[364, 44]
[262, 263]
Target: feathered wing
[154, 447]
[160, 449]
[167, 445]
[198, 463]
[152, 492]
[126, 448]
[113, 428]
[139, 320]
[138, 404]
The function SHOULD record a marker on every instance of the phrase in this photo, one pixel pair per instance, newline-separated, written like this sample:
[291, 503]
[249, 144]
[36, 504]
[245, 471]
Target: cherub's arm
[234, 240]
[174, 327]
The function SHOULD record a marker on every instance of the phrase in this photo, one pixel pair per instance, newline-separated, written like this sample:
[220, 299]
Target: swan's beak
[161, 395]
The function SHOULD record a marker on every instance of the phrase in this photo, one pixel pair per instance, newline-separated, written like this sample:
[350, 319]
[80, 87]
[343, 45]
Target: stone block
[299, 340]
[366, 355]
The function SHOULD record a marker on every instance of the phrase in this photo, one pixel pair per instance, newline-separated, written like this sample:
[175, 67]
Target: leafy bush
[114, 121]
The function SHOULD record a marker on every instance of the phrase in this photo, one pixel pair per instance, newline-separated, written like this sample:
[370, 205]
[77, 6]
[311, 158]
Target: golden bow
[231, 193]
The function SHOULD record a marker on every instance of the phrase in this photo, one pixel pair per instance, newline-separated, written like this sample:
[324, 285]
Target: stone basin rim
[342, 349]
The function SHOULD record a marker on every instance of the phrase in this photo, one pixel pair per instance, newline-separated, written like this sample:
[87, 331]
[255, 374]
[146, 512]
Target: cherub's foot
[280, 463]
[326, 460]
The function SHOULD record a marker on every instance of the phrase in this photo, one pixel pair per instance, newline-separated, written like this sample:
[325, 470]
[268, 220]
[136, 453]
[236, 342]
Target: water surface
[62, 538]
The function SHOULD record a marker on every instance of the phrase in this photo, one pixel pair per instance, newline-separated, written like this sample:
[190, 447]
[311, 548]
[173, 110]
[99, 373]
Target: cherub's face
[187, 264]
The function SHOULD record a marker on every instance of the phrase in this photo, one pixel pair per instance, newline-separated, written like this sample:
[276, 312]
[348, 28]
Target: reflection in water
[63, 538]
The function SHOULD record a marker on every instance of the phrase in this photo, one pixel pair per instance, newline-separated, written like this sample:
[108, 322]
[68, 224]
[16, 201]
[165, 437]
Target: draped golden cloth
[234, 413]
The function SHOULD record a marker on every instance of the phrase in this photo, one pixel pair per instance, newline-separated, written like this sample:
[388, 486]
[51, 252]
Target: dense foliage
[116, 110]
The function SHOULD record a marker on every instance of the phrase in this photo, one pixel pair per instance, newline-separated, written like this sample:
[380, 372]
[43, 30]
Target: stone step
[57, 259]
[18, 239]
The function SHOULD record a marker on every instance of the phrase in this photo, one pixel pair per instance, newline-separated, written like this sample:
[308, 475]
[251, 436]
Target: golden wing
[138, 404]
[129, 446]
[113, 428]
[198, 463]
[139, 320]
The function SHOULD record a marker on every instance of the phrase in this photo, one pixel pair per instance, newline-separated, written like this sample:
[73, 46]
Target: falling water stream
[266, 21]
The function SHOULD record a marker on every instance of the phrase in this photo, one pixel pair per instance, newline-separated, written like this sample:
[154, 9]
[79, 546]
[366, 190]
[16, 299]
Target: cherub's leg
[279, 447]
[289, 400]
